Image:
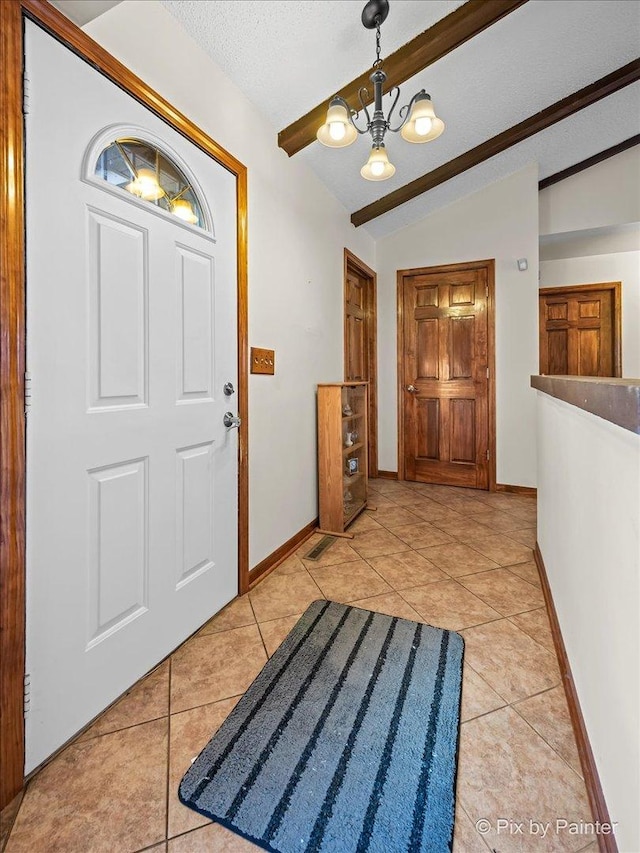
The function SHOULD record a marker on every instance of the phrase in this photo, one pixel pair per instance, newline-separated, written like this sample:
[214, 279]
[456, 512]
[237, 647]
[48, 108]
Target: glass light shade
[378, 167]
[423, 125]
[337, 131]
[183, 209]
[146, 186]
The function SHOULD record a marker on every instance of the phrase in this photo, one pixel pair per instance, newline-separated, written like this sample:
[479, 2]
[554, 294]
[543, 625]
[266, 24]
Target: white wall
[605, 194]
[501, 222]
[297, 232]
[620, 266]
[589, 536]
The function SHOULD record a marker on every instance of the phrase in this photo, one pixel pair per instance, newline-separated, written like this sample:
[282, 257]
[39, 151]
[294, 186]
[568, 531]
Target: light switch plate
[263, 361]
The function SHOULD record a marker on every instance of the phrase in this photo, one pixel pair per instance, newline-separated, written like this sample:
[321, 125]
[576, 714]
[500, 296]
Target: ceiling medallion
[418, 121]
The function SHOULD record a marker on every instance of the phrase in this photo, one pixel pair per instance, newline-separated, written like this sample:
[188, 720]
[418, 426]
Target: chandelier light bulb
[423, 125]
[378, 167]
[337, 130]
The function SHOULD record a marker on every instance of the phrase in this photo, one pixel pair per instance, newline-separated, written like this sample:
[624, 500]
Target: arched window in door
[149, 174]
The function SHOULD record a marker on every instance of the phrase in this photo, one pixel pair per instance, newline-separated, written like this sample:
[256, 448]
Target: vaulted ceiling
[289, 56]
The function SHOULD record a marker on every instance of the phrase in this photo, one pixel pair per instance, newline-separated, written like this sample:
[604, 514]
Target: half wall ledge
[615, 400]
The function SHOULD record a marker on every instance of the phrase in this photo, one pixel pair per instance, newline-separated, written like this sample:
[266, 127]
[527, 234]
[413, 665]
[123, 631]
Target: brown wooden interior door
[445, 377]
[360, 342]
[579, 331]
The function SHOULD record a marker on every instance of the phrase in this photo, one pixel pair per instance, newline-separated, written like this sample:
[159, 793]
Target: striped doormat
[346, 741]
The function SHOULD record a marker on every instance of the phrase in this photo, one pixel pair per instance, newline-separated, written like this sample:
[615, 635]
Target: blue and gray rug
[345, 742]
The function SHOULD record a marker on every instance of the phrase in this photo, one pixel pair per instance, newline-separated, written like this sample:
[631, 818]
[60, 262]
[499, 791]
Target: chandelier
[418, 121]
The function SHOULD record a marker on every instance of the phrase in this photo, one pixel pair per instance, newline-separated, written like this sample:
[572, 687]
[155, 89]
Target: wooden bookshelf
[342, 467]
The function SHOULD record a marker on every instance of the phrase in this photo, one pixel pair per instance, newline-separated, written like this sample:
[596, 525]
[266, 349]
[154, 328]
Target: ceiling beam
[518, 133]
[443, 37]
[590, 161]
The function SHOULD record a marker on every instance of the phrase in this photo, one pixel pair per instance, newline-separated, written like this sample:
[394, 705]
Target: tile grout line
[258, 626]
[541, 736]
[471, 821]
[509, 704]
[119, 729]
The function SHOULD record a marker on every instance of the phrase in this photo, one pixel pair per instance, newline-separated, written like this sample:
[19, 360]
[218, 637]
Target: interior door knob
[412, 389]
[230, 420]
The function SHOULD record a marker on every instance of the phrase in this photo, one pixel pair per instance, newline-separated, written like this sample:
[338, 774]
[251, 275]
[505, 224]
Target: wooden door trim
[12, 341]
[489, 265]
[351, 260]
[616, 288]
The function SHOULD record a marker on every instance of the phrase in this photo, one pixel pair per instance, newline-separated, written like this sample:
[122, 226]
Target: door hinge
[25, 93]
[486, 290]
[487, 372]
[488, 455]
[27, 693]
[27, 392]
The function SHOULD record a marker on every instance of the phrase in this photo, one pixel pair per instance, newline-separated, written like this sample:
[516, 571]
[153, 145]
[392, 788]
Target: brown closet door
[578, 332]
[446, 387]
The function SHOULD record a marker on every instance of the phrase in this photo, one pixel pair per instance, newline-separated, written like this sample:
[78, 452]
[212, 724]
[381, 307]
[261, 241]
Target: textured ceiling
[289, 56]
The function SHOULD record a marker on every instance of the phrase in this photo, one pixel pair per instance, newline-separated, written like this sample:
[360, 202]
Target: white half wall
[589, 537]
[501, 222]
[604, 194]
[619, 266]
[297, 233]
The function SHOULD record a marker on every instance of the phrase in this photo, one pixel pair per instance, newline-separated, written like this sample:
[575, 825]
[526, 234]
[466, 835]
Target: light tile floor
[455, 558]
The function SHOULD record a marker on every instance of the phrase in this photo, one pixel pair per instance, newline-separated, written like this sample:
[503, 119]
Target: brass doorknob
[412, 389]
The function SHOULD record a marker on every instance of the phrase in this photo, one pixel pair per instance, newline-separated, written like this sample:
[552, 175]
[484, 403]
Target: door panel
[445, 387]
[558, 351]
[118, 311]
[131, 475]
[356, 369]
[462, 417]
[196, 297]
[461, 357]
[428, 351]
[118, 547]
[580, 330]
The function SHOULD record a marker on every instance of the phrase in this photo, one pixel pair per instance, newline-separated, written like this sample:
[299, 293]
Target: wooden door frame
[616, 288]
[489, 265]
[351, 260]
[12, 342]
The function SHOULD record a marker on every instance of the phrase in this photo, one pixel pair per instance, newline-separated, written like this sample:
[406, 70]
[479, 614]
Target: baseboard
[500, 487]
[278, 556]
[516, 490]
[599, 810]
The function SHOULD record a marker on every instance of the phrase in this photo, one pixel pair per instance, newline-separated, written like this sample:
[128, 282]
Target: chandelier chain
[378, 61]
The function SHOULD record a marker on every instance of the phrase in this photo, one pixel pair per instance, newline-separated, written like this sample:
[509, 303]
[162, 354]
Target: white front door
[131, 337]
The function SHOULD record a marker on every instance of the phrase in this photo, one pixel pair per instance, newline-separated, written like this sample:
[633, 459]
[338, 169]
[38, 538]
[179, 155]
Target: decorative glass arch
[142, 169]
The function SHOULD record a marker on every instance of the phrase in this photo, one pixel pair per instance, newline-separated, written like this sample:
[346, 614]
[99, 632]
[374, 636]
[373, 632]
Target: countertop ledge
[615, 400]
